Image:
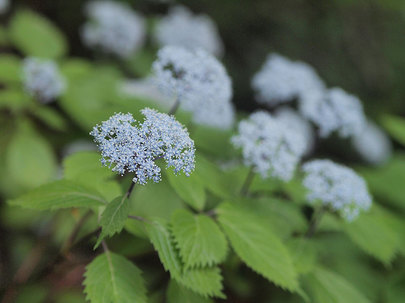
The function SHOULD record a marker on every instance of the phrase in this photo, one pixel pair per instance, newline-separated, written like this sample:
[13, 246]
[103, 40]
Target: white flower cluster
[298, 125]
[4, 4]
[373, 144]
[181, 28]
[129, 146]
[270, 146]
[113, 27]
[337, 187]
[281, 80]
[42, 79]
[200, 83]
[334, 110]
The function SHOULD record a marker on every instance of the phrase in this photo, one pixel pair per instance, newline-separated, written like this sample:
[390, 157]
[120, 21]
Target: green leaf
[303, 254]
[386, 182]
[59, 194]
[205, 281]
[255, 243]
[36, 36]
[160, 237]
[189, 189]
[10, 69]
[372, 233]
[85, 168]
[327, 286]
[15, 99]
[50, 117]
[177, 293]
[199, 239]
[30, 159]
[113, 217]
[395, 126]
[112, 278]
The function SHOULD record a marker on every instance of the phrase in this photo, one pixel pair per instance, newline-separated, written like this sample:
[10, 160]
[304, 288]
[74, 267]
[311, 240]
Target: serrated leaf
[110, 278]
[255, 243]
[59, 194]
[327, 286]
[199, 239]
[177, 293]
[372, 232]
[36, 36]
[113, 217]
[206, 281]
[190, 189]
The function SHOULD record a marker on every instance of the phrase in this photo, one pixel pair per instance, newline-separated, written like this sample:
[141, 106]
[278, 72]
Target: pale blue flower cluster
[372, 144]
[281, 80]
[269, 145]
[4, 4]
[334, 110]
[181, 28]
[114, 28]
[198, 81]
[337, 187]
[127, 145]
[42, 79]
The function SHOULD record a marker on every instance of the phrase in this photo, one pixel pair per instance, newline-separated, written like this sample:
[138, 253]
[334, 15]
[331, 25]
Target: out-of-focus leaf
[36, 36]
[177, 293]
[395, 126]
[59, 194]
[50, 117]
[10, 69]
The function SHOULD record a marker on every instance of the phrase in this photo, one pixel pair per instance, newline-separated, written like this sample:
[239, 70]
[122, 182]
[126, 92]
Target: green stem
[248, 181]
[315, 220]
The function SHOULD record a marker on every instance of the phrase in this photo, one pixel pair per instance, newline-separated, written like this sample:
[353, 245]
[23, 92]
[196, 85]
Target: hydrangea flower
[297, 124]
[113, 27]
[42, 79]
[337, 187]
[181, 28]
[127, 145]
[373, 144]
[4, 4]
[334, 110]
[198, 81]
[270, 146]
[281, 80]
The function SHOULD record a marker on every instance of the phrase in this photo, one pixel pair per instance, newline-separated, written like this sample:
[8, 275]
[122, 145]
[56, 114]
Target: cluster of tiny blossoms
[298, 125]
[181, 28]
[114, 28]
[337, 187]
[4, 4]
[334, 110]
[198, 81]
[373, 144]
[127, 145]
[270, 146]
[281, 80]
[42, 79]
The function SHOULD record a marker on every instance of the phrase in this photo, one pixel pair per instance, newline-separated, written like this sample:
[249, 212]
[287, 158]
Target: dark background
[358, 45]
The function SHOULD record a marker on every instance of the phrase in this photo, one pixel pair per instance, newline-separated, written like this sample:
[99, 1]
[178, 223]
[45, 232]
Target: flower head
[127, 145]
[373, 144]
[4, 4]
[298, 125]
[181, 28]
[199, 81]
[281, 80]
[113, 27]
[337, 187]
[270, 146]
[334, 110]
[42, 79]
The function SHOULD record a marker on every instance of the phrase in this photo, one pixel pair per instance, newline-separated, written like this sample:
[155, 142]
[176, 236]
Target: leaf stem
[315, 220]
[248, 181]
[73, 235]
[175, 106]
